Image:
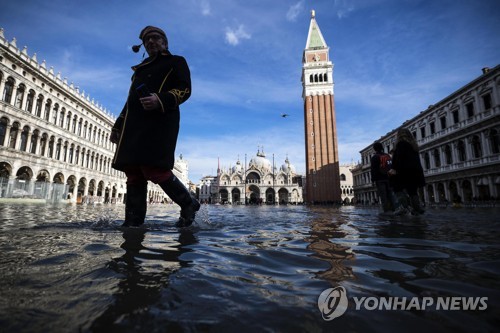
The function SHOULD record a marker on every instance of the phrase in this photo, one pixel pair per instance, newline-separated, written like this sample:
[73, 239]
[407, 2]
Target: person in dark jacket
[146, 130]
[380, 164]
[407, 172]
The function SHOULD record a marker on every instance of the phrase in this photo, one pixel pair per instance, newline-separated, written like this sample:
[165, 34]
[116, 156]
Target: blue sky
[392, 59]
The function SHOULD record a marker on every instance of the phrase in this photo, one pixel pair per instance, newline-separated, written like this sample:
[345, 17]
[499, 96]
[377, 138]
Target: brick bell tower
[322, 160]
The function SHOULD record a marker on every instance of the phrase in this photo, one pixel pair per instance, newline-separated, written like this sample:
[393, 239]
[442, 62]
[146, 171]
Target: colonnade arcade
[53, 185]
[255, 195]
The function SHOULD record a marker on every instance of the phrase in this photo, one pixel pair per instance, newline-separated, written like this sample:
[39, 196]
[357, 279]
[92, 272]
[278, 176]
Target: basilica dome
[261, 162]
[288, 167]
[237, 168]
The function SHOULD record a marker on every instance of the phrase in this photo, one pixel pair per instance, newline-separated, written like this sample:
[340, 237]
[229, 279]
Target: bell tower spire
[322, 161]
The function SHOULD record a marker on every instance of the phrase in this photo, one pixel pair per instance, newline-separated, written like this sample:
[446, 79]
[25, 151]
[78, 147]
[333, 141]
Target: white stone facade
[346, 183]
[54, 140]
[259, 182]
[459, 140]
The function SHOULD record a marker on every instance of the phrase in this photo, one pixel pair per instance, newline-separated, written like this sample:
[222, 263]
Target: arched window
[311, 78]
[77, 155]
[494, 141]
[38, 107]
[65, 151]
[70, 157]
[51, 146]
[427, 161]
[8, 90]
[58, 149]
[68, 120]
[325, 77]
[30, 101]
[34, 141]
[79, 130]
[24, 138]
[43, 143]
[437, 158]
[447, 154]
[73, 127]
[48, 104]
[3, 130]
[14, 131]
[20, 96]
[61, 117]
[342, 177]
[461, 151]
[56, 112]
[476, 147]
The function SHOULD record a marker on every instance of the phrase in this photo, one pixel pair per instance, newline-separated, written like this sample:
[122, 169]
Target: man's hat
[150, 29]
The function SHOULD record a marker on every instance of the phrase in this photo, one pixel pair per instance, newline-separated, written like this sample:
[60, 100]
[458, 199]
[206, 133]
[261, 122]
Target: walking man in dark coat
[146, 130]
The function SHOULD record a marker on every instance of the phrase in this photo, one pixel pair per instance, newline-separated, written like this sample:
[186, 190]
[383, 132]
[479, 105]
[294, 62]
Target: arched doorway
[441, 192]
[270, 196]
[283, 196]
[454, 196]
[71, 186]
[224, 195]
[253, 194]
[467, 189]
[22, 182]
[82, 183]
[236, 194]
[430, 193]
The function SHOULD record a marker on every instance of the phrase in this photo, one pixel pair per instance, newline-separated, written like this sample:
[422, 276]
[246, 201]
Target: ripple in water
[73, 268]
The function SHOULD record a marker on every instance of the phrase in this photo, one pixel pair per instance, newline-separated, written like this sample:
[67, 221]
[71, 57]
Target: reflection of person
[408, 172]
[147, 128]
[380, 176]
[140, 283]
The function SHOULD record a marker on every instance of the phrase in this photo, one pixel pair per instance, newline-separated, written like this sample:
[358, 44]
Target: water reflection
[323, 240]
[146, 270]
[72, 268]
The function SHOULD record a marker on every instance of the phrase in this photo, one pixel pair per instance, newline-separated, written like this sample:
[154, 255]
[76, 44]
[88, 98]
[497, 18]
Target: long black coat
[409, 171]
[149, 138]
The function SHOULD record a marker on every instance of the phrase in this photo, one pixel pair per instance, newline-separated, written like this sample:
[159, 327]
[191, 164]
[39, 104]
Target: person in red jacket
[380, 164]
[146, 130]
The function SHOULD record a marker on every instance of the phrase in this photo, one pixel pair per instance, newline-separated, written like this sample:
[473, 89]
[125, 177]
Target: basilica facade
[258, 182]
[54, 139]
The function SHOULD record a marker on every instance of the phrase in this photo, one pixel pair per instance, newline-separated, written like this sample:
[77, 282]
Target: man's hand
[150, 102]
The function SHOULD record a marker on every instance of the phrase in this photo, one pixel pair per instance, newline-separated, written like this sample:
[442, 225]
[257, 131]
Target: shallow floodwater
[68, 268]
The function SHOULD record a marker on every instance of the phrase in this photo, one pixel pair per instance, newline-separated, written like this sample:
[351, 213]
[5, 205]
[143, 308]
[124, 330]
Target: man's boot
[415, 205]
[174, 188]
[135, 205]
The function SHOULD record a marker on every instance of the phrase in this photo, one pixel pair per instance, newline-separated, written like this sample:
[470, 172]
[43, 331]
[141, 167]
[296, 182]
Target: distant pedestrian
[147, 128]
[407, 172]
[380, 164]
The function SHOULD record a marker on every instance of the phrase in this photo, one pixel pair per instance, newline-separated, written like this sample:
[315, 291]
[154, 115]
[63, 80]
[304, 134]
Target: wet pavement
[69, 268]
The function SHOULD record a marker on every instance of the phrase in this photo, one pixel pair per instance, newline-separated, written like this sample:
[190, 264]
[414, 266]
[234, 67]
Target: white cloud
[343, 8]
[233, 37]
[205, 8]
[294, 11]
